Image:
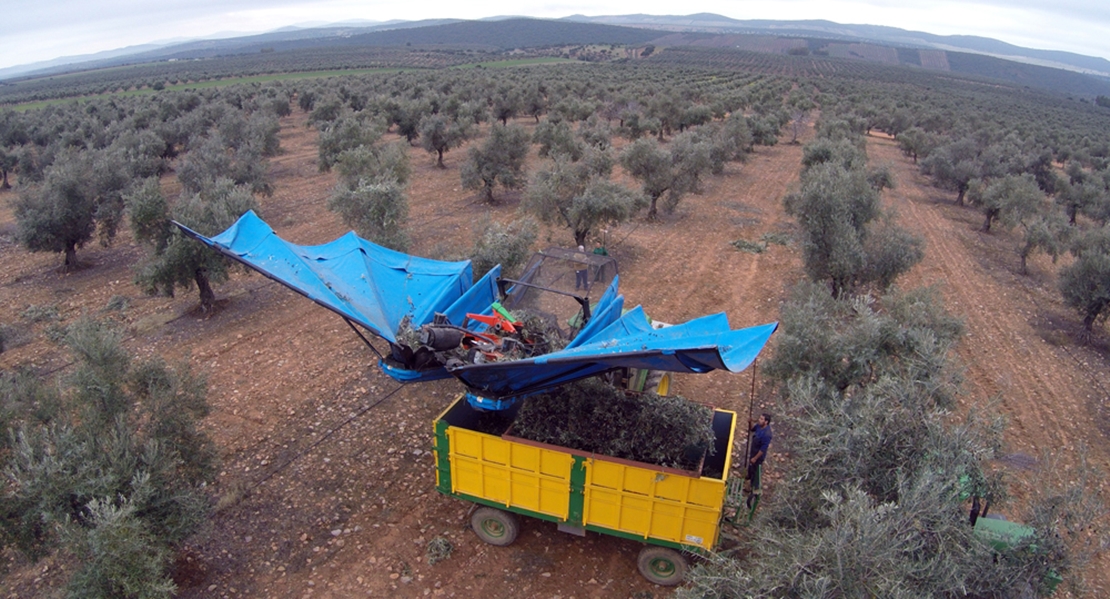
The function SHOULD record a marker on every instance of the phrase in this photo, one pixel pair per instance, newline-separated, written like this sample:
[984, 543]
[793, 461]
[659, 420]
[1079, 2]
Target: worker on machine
[761, 444]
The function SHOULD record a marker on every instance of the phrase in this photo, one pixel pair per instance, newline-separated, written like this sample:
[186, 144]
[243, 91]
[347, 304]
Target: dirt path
[1051, 389]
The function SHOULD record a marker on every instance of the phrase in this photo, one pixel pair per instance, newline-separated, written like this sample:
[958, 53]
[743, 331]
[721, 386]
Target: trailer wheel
[496, 527]
[663, 566]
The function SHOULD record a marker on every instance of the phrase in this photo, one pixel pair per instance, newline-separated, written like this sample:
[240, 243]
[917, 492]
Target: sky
[40, 30]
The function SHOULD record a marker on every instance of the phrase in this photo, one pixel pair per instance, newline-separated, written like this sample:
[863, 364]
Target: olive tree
[176, 261]
[835, 208]
[871, 504]
[579, 196]
[1046, 231]
[675, 171]
[376, 210]
[115, 474]
[916, 143]
[370, 193]
[213, 159]
[9, 160]
[81, 195]
[345, 134]
[497, 161]
[556, 137]
[1080, 196]
[1085, 283]
[953, 166]
[438, 134]
[1010, 199]
[800, 105]
[509, 244]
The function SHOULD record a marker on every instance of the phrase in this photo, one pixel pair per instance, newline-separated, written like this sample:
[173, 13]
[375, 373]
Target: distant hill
[324, 35]
[1063, 72]
[493, 34]
[892, 36]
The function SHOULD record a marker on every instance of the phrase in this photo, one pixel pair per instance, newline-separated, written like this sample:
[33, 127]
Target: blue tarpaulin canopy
[698, 346]
[378, 288]
[363, 282]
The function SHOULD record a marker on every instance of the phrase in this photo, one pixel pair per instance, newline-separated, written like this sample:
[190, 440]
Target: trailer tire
[661, 565]
[494, 526]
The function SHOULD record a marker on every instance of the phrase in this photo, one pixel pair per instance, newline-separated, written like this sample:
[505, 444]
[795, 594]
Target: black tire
[661, 565]
[496, 527]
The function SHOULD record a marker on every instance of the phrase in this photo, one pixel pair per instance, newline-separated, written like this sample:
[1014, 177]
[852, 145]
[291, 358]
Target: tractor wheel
[661, 565]
[496, 527]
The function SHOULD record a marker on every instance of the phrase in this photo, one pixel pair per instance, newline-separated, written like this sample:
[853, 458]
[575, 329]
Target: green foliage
[870, 504]
[214, 160]
[920, 546]
[370, 194]
[438, 549]
[675, 171]
[765, 130]
[647, 161]
[345, 134]
[1047, 232]
[176, 260]
[596, 133]
[776, 238]
[1011, 199]
[438, 134]
[750, 247]
[498, 161]
[580, 196]
[8, 163]
[119, 556]
[855, 342]
[665, 108]
[1085, 283]
[916, 143]
[81, 194]
[407, 114]
[557, 138]
[115, 462]
[891, 251]
[377, 211]
[373, 164]
[117, 303]
[1085, 196]
[595, 417]
[509, 245]
[40, 313]
[835, 207]
[25, 397]
[732, 140]
[847, 153]
[952, 166]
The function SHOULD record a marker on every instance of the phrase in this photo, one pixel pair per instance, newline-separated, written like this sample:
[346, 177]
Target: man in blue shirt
[761, 444]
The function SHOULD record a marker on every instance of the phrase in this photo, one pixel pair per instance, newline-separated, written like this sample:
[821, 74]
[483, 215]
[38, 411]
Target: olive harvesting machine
[510, 339]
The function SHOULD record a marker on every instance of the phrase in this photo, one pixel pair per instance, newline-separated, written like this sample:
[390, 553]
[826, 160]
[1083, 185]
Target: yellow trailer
[671, 510]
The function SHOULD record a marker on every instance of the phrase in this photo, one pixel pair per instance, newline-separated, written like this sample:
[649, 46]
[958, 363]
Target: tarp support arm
[503, 285]
[363, 337]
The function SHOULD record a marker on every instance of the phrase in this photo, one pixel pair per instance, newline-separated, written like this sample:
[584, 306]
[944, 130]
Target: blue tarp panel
[700, 345]
[378, 287]
[360, 280]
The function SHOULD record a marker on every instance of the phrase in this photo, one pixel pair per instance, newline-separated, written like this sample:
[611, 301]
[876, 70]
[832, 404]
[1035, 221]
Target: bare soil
[327, 484]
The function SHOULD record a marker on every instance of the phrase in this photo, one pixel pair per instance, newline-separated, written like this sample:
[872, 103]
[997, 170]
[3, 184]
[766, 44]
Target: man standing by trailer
[761, 444]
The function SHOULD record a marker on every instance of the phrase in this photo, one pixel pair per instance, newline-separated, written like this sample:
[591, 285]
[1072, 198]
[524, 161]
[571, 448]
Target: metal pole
[751, 410]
